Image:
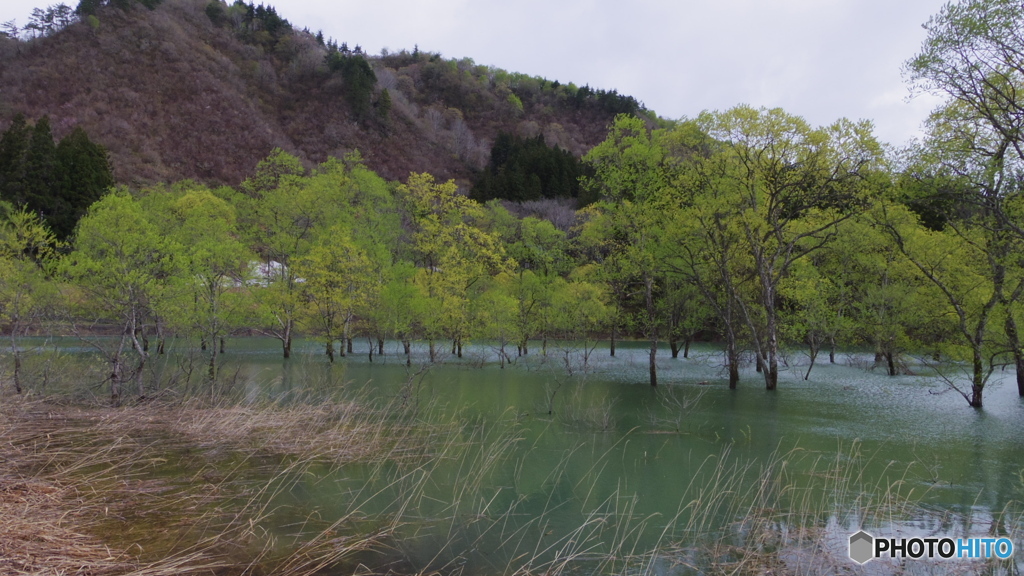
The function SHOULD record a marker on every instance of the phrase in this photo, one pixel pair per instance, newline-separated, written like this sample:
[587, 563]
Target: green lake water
[556, 465]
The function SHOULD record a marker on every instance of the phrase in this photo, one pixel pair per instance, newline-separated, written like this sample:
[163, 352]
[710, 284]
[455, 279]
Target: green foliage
[455, 256]
[27, 292]
[58, 182]
[610, 102]
[88, 7]
[216, 11]
[262, 25]
[40, 164]
[82, 176]
[123, 265]
[384, 105]
[338, 282]
[276, 168]
[13, 147]
[528, 169]
[629, 165]
[358, 80]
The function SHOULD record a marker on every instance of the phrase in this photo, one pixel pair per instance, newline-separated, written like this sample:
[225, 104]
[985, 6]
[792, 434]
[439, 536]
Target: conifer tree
[13, 145]
[39, 169]
[82, 176]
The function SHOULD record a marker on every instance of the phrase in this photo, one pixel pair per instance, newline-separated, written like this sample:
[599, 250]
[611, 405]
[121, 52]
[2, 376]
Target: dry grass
[40, 535]
[84, 494]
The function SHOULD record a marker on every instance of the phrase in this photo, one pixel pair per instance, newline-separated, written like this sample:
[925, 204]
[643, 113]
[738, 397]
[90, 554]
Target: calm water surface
[598, 453]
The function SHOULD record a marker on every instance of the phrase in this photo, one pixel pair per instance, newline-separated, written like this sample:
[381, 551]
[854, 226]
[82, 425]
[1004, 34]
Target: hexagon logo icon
[862, 547]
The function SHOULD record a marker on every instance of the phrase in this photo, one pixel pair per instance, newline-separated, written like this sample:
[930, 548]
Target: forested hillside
[204, 90]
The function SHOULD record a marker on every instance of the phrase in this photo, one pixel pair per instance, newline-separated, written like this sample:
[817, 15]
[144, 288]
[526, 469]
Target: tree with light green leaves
[784, 187]
[633, 176]
[337, 277]
[973, 57]
[965, 263]
[282, 218]
[496, 312]
[121, 265]
[453, 254]
[214, 264]
[578, 312]
[27, 248]
[401, 306]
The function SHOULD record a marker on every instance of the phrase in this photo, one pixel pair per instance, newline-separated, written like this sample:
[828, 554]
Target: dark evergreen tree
[528, 169]
[39, 169]
[82, 176]
[384, 104]
[13, 145]
[358, 77]
[88, 7]
[217, 13]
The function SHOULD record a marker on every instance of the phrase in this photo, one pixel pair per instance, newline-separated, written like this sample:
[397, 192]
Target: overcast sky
[820, 59]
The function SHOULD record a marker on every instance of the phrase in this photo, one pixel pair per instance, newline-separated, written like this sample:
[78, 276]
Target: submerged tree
[974, 57]
[784, 187]
[27, 247]
[121, 263]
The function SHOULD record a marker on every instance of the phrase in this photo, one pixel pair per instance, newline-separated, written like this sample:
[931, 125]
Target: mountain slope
[172, 95]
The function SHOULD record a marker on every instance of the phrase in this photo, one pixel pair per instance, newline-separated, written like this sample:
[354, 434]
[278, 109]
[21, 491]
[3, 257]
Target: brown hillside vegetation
[171, 95]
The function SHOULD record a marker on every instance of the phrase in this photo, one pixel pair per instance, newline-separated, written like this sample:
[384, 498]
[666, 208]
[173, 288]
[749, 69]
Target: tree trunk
[433, 351]
[116, 371]
[17, 361]
[369, 342]
[458, 347]
[772, 378]
[222, 347]
[732, 357]
[526, 347]
[978, 377]
[674, 345]
[212, 373]
[814, 355]
[652, 327]
[1013, 340]
[612, 346]
[330, 350]
[17, 371]
[408, 352]
[380, 346]
[831, 350]
[686, 346]
[890, 362]
[348, 345]
[140, 369]
[976, 396]
[653, 366]
[286, 343]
